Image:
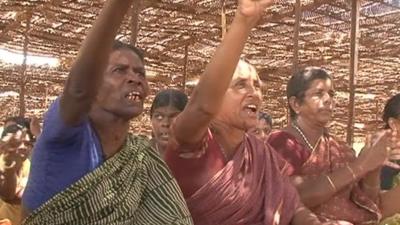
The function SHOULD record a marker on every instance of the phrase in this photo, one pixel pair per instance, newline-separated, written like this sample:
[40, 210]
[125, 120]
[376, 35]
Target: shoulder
[280, 138]
[193, 150]
[56, 130]
[280, 134]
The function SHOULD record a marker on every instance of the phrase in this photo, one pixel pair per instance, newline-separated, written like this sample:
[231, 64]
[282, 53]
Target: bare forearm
[87, 70]
[371, 184]
[390, 204]
[218, 73]
[8, 185]
[317, 191]
[207, 97]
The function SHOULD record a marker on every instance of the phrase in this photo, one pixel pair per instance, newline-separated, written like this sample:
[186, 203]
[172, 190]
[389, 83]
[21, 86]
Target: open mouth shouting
[251, 110]
[134, 97]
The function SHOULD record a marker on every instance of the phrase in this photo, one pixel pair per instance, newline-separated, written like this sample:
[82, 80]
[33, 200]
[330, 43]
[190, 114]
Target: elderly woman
[87, 168]
[331, 181]
[227, 176]
[390, 176]
[391, 118]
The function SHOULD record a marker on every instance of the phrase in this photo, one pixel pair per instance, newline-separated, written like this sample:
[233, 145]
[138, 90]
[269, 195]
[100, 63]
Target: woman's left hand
[394, 151]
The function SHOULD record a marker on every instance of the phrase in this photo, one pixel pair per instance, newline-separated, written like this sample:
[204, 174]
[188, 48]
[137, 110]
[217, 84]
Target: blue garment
[387, 176]
[62, 155]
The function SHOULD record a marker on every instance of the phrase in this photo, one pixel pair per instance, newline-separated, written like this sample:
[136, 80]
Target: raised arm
[86, 73]
[204, 104]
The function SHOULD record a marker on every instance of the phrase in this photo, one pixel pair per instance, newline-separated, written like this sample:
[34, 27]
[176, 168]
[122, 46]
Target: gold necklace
[312, 148]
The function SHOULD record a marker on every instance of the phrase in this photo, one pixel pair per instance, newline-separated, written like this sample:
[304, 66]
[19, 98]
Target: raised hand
[253, 9]
[375, 153]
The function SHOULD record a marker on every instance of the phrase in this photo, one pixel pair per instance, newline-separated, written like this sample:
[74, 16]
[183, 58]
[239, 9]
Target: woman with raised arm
[227, 176]
[331, 180]
[86, 167]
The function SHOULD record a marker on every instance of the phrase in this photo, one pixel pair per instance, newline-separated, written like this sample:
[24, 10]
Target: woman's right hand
[252, 10]
[376, 151]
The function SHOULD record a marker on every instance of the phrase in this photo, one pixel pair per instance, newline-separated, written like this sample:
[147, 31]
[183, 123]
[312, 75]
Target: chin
[130, 114]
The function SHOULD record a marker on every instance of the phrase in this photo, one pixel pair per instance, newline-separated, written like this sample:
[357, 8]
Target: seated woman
[390, 176]
[391, 117]
[331, 181]
[227, 176]
[16, 145]
[87, 168]
[165, 107]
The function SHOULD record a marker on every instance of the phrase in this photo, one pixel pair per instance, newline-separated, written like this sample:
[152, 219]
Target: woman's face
[317, 105]
[161, 121]
[242, 100]
[262, 129]
[17, 139]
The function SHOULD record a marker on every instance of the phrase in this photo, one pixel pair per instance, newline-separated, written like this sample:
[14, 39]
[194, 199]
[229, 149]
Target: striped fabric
[133, 187]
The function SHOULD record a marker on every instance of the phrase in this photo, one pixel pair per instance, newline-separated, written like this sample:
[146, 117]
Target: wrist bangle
[331, 183]
[352, 172]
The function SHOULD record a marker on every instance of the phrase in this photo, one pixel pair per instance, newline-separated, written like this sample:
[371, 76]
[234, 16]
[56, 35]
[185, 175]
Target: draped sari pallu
[349, 204]
[132, 187]
[249, 189]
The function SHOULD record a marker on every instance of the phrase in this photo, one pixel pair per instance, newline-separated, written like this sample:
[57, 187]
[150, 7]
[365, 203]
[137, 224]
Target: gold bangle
[331, 182]
[352, 172]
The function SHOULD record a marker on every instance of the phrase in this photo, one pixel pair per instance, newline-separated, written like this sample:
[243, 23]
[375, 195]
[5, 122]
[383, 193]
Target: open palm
[253, 8]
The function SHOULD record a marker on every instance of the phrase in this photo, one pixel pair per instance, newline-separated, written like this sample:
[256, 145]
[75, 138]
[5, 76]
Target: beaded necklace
[312, 148]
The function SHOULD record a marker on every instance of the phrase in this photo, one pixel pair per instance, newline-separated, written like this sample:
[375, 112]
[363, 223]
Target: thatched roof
[166, 27]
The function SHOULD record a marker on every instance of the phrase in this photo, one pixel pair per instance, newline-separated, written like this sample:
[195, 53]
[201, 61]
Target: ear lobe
[392, 124]
[294, 104]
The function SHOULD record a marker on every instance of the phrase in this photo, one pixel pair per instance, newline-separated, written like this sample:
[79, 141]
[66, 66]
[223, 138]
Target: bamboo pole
[296, 36]
[223, 19]
[185, 68]
[136, 9]
[355, 36]
[23, 78]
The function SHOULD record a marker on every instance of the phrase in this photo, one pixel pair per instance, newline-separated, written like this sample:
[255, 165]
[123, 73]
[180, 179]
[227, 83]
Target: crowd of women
[204, 164]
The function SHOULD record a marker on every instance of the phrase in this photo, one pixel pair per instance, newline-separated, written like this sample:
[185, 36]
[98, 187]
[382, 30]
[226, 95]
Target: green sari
[133, 187]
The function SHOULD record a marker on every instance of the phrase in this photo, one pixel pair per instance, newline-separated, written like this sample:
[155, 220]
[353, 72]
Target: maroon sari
[350, 204]
[249, 189]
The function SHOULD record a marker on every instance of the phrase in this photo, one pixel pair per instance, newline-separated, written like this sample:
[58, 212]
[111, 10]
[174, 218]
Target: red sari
[350, 204]
[249, 189]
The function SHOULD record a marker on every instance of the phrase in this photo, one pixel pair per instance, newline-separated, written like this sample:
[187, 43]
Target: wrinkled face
[318, 103]
[161, 121]
[124, 86]
[242, 100]
[262, 129]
